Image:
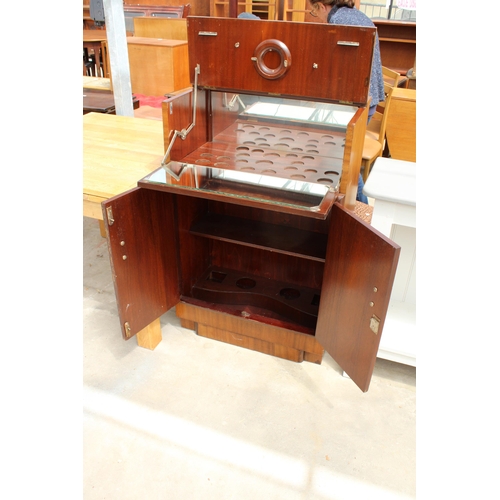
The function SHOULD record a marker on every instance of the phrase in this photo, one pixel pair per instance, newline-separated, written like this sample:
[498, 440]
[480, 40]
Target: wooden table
[92, 41]
[117, 152]
[95, 83]
[102, 102]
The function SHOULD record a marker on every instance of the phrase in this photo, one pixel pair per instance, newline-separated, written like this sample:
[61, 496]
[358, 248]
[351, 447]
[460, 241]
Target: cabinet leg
[102, 228]
[150, 336]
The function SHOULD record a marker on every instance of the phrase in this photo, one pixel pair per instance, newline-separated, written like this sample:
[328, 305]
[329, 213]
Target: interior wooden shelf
[286, 240]
[255, 297]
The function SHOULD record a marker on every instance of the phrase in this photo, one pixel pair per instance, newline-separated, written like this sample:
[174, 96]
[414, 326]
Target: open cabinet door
[140, 227]
[357, 283]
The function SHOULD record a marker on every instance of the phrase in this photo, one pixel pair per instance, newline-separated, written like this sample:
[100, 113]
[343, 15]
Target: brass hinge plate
[109, 215]
[127, 330]
[374, 324]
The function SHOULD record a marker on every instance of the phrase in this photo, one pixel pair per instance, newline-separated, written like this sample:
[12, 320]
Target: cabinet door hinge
[127, 330]
[109, 214]
[374, 324]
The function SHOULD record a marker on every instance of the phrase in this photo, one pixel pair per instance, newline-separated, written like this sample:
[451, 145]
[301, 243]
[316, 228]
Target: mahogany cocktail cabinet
[247, 226]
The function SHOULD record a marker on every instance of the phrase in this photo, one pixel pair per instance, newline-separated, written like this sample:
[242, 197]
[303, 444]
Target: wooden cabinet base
[267, 339]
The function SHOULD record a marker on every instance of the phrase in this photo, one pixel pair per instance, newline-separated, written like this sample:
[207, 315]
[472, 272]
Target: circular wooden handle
[262, 49]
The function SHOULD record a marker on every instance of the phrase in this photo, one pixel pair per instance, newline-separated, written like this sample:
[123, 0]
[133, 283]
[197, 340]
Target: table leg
[102, 228]
[150, 336]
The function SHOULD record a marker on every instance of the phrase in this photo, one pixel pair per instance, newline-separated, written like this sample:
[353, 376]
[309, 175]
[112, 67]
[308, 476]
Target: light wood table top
[96, 82]
[118, 151]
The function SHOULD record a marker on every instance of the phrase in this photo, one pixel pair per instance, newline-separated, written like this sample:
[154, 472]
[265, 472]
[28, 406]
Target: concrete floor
[200, 419]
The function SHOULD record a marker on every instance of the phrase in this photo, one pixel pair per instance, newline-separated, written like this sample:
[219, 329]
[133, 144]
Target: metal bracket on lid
[185, 131]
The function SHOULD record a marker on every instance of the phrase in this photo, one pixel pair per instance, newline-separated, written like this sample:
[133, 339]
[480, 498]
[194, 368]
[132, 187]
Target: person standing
[344, 12]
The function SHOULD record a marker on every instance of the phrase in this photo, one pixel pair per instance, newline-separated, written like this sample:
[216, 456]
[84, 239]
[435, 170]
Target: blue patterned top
[354, 17]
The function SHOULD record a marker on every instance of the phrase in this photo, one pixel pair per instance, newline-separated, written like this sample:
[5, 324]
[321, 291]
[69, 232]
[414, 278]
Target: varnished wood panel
[177, 114]
[359, 273]
[143, 254]
[194, 252]
[246, 342]
[336, 71]
[268, 264]
[286, 151]
[248, 327]
[276, 301]
[256, 234]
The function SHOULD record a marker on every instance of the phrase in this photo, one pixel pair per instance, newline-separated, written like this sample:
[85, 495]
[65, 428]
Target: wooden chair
[375, 130]
[401, 125]
[374, 144]
[391, 79]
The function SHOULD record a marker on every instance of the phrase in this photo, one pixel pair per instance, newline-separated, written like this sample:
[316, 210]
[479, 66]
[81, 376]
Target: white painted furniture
[392, 184]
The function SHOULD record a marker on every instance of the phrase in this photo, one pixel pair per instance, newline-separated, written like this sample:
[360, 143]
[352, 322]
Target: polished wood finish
[177, 112]
[158, 27]
[274, 301]
[250, 334]
[355, 291]
[258, 345]
[117, 150]
[270, 277]
[318, 155]
[146, 273]
[310, 73]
